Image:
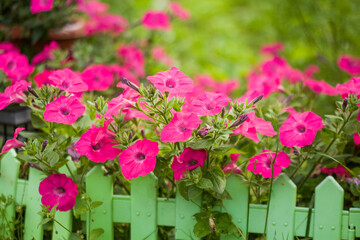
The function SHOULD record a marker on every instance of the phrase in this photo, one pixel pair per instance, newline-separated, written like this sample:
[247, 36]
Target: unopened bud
[96, 106]
[32, 91]
[130, 84]
[345, 103]
[296, 153]
[287, 100]
[35, 166]
[222, 112]
[131, 134]
[212, 224]
[143, 134]
[43, 145]
[161, 96]
[204, 132]
[257, 99]
[239, 121]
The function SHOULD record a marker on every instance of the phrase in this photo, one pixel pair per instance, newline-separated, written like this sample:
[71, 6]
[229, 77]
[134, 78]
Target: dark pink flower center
[64, 111]
[11, 65]
[96, 147]
[210, 107]
[59, 191]
[183, 128]
[97, 79]
[65, 85]
[192, 162]
[301, 128]
[140, 157]
[170, 83]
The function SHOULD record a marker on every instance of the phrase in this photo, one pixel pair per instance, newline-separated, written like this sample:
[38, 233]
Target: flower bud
[35, 166]
[204, 132]
[32, 91]
[223, 112]
[239, 121]
[345, 103]
[287, 100]
[296, 153]
[212, 224]
[43, 145]
[257, 99]
[75, 156]
[160, 95]
[130, 84]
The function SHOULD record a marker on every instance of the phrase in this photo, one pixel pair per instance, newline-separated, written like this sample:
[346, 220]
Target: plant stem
[66, 228]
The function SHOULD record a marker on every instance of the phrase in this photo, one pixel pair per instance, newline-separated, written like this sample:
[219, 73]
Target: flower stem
[60, 224]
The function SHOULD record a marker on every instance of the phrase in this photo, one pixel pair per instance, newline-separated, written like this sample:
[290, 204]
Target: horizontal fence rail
[145, 211]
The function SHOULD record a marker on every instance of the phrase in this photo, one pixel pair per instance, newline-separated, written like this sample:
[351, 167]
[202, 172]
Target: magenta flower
[300, 129]
[6, 47]
[97, 77]
[208, 103]
[310, 70]
[15, 65]
[66, 79]
[254, 125]
[139, 159]
[64, 110]
[180, 127]
[350, 87]
[98, 144]
[264, 84]
[264, 160]
[179, 11]
[13, 143]
[58, 189]
[189, 159]
[156, 20]
[232, 167]
[172, 81]
[357, 138]
[272, 48]
[133, 58]
[124, 100]
[46, 53]
[339, 170]
[123, 72]
[106, 23]
[92, 8]
[14, 93]
[320, 87]
[349, 64]
[159, 54]
[207, 83]
[43, 78]
[41, 5]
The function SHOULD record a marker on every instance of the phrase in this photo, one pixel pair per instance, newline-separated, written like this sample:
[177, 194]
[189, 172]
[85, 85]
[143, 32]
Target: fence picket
[329, 200]
[185, 220]
[8, 179]
[100, 188]
[144, 208]
[33, 206]
[237, 207]
[281, 218]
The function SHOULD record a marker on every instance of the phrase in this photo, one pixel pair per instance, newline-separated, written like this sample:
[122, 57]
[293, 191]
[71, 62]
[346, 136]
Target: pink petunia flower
[124, 100]
[357, 138]
[43, 78]
[208, 103]
[180, 127]
[159, 54]
[93, 7]
[310, 70]
[189, 159]
[133, 58]
[339, 170]
[123, 72]
[156, 20]
[98, 144]
[64, 110]
[13, 143]
[14, 93]
[179, 11]
[264, 162]
[320, 87]
[206, 82]
[349, 64]
[139, 159]
[46, 53]
[272, 48]
[350, 87]
[58, 189]
[41, 5]
[264, 84]
[300, 129]
[6, 47]
[106, 23]
[97, 77]
[15, 65]
[172, 81]
[66, 79]
[232, 167]
[254, 125]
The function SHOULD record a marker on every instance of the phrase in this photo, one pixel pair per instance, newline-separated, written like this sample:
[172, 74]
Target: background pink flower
[133, 58]
[41, 5]
[320, 87]
[58, 189]
[43, 78]
[139, 159]
[232, 167]
[98, 77]
[15, 65]
[13, 143]
[357, 138]
[180, 127]
[263, 163]
[350, 87]
[189, 159]
[66, 79]
[208, 103]
[300, 129]
[64, 110]
[179, 11]
[349, 64]
[156, 20]
[46, 53]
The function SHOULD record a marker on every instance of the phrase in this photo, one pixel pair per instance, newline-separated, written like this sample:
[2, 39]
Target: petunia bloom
[66, 79]
[139, 159]
[46, 53]
[272, 48]
[265, 160]
[159, 54]
[43, 78]
[189, 159]
[208, 103]
[350, 87]
[320, 87]
[14, 93]
[124, 100]
[106, 23]
[180, 127]
[64, 110]
[232, 167]
[97, 77]
[179, 11]
[15, 65]
[172, 81]
[97, 143]
[133, 58]
[349, 64]
[6, 47]
[300, 129]
[58, 189]
[92, 7]
[156, 20]
[339, 170]
[13, 143]
[357, 138]
[41, 5]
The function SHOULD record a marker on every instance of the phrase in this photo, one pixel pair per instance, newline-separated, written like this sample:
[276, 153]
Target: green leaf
[81, 210]
[202, 227]
[36, 121]
[222, 196]
[218, 179]
[222, 149]
[202, 144]
[44, 221]
[204, 183]
[95, 204]
[32, 135]
[96, 233]
[188, 192]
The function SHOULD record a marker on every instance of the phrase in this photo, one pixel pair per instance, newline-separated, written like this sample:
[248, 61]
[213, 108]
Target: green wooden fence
[145, 211]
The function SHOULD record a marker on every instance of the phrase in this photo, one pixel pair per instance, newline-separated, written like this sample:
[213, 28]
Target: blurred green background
[223, 37]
